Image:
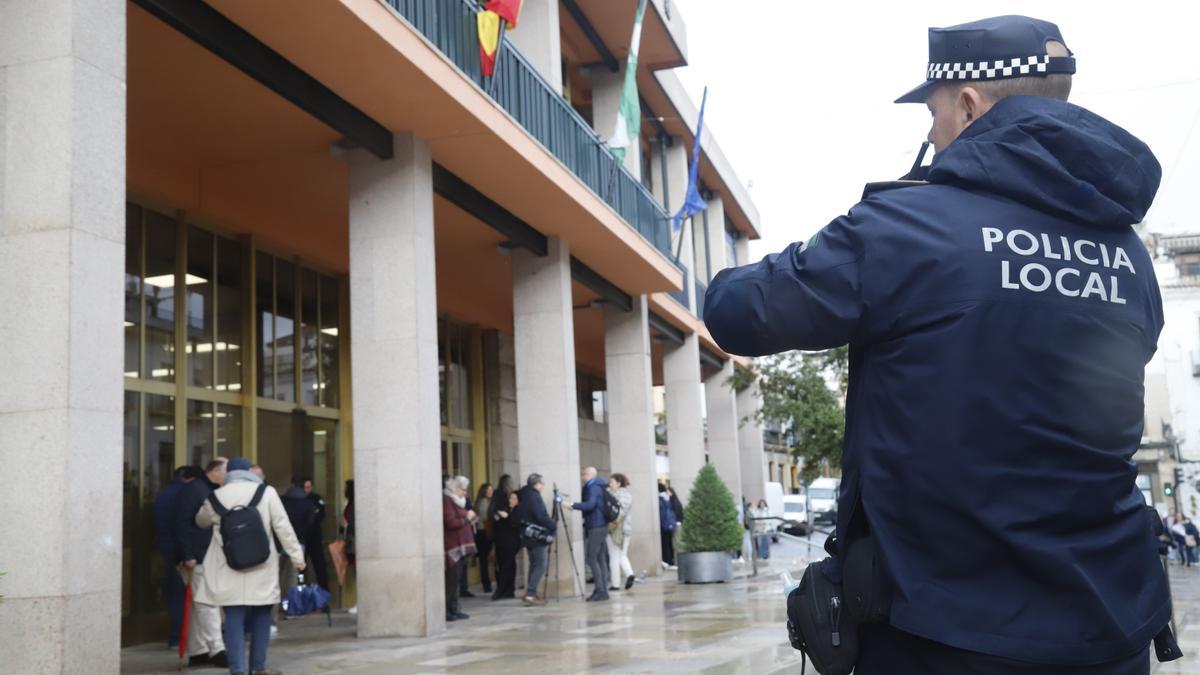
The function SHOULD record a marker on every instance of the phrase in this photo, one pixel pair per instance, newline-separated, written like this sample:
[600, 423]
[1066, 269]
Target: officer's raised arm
[809, 296]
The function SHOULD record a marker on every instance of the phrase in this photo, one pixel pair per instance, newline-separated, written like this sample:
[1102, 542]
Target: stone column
[62, 250]
[685, 413]
[547, 418]
[394, 357]
[631, 424]
[537, 38]
[606, 101]
[750, 444]
[723, 451]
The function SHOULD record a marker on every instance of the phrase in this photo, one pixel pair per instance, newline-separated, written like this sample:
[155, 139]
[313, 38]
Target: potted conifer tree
[711, 531]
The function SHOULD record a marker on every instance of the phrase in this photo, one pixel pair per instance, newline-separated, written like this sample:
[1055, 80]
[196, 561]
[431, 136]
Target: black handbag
[819, 624]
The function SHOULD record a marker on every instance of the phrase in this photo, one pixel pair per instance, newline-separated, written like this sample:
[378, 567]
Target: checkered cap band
[990, 70]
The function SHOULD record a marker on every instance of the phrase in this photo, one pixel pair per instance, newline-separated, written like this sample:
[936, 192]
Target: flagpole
[496, 70]
[679, 244]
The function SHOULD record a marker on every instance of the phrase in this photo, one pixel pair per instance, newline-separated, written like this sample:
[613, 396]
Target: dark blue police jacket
[1000, 319]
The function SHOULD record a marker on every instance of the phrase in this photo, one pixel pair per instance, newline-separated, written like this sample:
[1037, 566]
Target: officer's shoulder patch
[883, 186]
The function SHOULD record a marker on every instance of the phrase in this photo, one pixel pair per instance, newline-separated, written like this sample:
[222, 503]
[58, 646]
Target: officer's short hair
[1055, 85]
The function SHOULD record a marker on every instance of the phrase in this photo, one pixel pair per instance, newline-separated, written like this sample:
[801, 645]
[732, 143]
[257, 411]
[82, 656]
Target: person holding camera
[1000, 313]
[537, 531]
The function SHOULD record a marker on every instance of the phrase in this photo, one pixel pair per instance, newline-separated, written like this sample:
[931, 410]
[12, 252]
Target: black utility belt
[824, 615]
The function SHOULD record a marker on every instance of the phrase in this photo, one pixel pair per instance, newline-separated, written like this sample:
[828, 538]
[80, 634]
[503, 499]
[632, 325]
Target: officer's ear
[972, 104]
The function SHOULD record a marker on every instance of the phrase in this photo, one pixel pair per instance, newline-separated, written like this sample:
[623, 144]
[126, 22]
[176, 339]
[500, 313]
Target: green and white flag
[629, 113]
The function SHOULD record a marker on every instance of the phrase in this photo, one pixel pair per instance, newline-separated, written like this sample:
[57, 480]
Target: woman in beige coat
[246, 595]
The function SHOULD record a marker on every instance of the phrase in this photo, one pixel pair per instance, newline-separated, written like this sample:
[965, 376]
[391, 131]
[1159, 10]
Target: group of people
[187, 517]
[1183, 537]
[503, 520]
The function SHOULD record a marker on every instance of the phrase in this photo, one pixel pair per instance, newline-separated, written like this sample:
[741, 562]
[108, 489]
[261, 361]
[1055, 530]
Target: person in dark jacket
[999, 316]
[506, 538]
[531, 509]
[667, 524]
[314, 539]
[301, 513]
[164, 534]
[595, 531]
[483, 534]
[205, 643]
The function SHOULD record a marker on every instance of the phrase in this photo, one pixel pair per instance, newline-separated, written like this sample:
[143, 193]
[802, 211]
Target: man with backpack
[242, 566]
[596, 508]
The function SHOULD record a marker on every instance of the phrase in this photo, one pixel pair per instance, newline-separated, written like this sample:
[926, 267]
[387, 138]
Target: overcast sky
[800, 94]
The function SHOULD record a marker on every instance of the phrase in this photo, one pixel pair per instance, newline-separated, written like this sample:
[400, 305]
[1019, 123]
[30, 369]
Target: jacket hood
[1055, 157]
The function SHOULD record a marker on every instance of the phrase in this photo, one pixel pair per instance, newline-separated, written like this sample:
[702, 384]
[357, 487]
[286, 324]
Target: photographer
[1000, 315]
[531, 510]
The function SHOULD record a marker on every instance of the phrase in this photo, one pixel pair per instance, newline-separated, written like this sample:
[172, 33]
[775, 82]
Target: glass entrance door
[297, 445]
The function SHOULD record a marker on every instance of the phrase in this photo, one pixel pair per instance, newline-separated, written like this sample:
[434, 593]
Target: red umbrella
[183, 628]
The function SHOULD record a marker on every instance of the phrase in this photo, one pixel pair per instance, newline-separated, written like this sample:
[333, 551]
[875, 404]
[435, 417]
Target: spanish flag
[488, 22]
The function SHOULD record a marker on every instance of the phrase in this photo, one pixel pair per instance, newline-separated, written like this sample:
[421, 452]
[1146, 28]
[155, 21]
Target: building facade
[345, 254]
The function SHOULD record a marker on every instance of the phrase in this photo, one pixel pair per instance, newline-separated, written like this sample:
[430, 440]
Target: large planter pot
[705, 567]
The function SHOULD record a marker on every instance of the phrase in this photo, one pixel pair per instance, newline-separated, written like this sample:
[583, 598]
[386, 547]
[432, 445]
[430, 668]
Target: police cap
[990, 49]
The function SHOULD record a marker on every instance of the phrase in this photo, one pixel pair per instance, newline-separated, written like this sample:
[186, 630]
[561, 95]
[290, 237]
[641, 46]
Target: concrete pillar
[394, 357]
[715, 236]
[62, 248]
[547, 419]
[750, 443]
[631, 424]
[685, 413]
[723, 452]
[537, 38]
[606, 101]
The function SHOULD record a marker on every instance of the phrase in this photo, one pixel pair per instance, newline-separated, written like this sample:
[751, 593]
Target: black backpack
[611, 508]
[244, 539]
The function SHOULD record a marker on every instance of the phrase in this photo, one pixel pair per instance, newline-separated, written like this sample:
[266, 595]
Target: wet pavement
[660, 626]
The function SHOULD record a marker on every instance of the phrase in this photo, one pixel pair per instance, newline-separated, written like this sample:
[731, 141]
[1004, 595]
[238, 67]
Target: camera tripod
[559, 517]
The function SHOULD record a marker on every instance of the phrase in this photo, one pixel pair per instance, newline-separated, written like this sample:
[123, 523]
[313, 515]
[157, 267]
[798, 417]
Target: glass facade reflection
[245, 323]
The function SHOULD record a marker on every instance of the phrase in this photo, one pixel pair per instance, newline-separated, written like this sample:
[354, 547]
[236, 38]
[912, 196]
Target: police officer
[999, 315]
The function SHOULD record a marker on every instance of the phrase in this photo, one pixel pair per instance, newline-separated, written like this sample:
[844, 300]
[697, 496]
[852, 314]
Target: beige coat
[222, 585]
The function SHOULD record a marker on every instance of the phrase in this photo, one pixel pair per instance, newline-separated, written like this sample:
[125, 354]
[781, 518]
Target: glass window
[264, 299]
[133, 289]
[229, 431]
[130, 498]
[730, 250]
[200, 318]
[309, 387]
[159, 288]
[443, 370]
[158, 459]
[228, 348]
[459, 378]
[200, 432]
[285, 330]
[329, 341]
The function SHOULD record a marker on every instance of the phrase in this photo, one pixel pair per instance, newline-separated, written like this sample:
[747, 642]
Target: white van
[822, 500]
[773, 493]
[795, 515]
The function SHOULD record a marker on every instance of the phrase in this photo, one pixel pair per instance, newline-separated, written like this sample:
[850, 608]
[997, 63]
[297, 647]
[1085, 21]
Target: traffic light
[1168, 489]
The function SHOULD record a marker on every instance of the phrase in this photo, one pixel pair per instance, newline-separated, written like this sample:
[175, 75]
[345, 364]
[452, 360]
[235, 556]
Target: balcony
[521, 91]
[701, 289]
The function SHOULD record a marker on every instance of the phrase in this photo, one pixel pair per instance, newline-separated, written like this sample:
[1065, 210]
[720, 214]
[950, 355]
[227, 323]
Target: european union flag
[693, 203]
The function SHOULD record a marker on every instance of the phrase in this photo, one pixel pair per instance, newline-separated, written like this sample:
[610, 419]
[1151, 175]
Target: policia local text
[1069, 281]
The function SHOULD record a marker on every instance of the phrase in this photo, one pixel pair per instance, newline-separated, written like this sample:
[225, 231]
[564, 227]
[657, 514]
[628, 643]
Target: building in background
[316, 236]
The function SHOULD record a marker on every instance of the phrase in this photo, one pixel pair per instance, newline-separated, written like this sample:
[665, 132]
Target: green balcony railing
[525, 94]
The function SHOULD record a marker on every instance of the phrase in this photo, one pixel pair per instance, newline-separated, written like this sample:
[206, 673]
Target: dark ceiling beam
[599, 285]
[211, 30]
[711, 359]
[593, 37]
[664, 327]
[458, 192]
